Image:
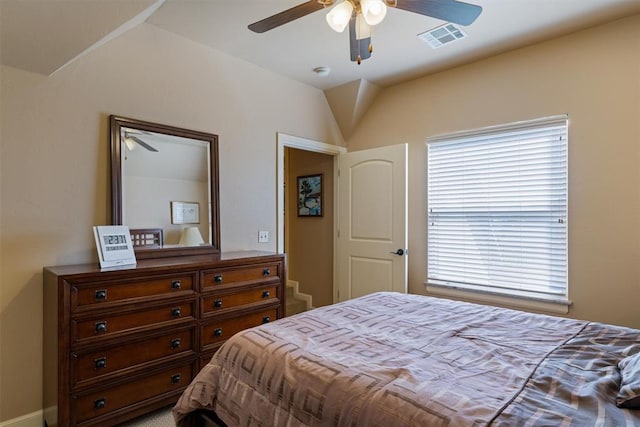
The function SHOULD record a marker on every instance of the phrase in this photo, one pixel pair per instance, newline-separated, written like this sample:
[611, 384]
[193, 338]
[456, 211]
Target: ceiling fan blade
[134, 131]
[288, 15]
[143, 144]
[446, 10]
[358, 47]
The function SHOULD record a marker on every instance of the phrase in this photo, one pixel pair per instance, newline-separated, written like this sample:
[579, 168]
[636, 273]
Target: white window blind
[497, 209]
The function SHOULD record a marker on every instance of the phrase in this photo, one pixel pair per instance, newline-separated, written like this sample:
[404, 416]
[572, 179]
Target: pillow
[629, 394]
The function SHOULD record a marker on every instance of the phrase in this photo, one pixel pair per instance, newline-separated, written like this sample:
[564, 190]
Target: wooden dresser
[121, 343]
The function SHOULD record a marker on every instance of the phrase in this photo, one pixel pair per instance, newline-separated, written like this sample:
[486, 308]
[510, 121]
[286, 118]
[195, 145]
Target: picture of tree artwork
[310, 195]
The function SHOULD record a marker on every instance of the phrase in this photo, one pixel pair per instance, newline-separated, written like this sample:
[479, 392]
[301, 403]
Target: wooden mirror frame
[115, 125]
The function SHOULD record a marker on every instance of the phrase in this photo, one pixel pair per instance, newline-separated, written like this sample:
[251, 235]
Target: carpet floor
[160, 418]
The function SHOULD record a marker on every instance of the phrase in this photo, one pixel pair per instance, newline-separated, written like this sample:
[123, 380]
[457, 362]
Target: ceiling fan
[130, 139]
[362, 15]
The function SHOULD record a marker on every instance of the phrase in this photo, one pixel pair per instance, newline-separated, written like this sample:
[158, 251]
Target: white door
[372, 218]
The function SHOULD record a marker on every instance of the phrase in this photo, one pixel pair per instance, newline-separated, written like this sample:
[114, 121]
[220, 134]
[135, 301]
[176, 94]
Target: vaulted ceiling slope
[42, 36]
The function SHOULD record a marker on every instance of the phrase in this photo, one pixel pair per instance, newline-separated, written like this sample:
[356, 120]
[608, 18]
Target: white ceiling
[43, 35]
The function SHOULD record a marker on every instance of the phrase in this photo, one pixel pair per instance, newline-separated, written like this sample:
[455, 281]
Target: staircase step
[295, 306]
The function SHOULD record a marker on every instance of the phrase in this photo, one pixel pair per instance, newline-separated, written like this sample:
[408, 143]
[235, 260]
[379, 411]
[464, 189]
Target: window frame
[486, 292]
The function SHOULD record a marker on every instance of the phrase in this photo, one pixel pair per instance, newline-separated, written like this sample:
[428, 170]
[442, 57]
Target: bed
[390, 359]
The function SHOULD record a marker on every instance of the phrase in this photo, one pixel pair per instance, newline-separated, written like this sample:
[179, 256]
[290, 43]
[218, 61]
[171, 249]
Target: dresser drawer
[104, 402]
[217, 331]
[87, 296]
[258, 272]
[121, 322]
[219, 302]
[92, 366]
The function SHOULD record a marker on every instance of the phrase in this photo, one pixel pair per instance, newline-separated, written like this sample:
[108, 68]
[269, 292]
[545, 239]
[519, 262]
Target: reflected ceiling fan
[362, 15]
[130, 139]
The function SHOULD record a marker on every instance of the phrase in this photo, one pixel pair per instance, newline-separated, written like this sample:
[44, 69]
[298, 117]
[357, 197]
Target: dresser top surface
[194, 261]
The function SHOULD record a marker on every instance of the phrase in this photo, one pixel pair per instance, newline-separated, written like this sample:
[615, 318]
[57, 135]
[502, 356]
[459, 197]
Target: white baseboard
[51, 415]
[308, 299]
[33, 419]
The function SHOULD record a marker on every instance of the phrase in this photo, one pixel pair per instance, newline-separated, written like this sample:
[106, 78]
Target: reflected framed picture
[185, 213]
[310, 195]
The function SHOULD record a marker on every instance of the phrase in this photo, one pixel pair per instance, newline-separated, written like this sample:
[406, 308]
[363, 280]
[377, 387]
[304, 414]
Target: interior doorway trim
[283, 141]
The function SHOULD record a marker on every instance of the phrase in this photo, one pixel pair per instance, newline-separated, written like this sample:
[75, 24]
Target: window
[497, 210]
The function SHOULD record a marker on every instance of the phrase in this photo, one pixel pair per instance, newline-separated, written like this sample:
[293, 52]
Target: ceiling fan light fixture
[131, 145]
[338, 17]
[362, 15]
[129, 142]
[373, 11]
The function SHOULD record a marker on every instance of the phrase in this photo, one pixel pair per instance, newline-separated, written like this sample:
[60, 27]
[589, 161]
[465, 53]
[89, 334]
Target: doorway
[374, 194]
[308, 241]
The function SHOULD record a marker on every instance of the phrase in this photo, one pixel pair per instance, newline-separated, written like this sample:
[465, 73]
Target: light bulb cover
[130, 143]
[339, 16]
[373, 11]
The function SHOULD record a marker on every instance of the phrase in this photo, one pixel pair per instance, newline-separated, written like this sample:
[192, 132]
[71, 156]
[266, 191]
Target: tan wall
[310, 240]
[54, 164]
[594, 77]
[1, 234]
[54, 157]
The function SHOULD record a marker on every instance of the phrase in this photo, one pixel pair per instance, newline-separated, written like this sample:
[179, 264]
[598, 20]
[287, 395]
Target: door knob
[399, 252]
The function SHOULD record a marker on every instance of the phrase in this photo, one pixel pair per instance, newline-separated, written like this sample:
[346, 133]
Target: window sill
[483, 296]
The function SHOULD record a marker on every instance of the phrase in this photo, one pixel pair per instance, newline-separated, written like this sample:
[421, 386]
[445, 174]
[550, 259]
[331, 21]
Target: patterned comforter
[391, 359]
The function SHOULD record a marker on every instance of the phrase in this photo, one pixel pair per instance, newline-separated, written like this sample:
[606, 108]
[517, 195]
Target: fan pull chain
[359, 58]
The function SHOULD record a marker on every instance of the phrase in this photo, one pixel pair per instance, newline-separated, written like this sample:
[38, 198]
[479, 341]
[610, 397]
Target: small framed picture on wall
[185, 213]
[310, 195]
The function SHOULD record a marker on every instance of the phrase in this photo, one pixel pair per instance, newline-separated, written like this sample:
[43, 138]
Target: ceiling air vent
[444, 34]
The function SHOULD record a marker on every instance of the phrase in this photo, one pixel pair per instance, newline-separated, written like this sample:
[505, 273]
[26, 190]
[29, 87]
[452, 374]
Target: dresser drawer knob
[217, 303]
[175, 379]
[100, 363]
[266, 319]
[101, 295]
[100, 403]
[175, 343]
[217, 332]
[266, 294]
[176, 284]
[175, 312]
[217, 278]
[101, 326]
[266, 272]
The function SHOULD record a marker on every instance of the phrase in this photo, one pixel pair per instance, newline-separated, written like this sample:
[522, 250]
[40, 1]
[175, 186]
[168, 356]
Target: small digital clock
[115, 239]
[114, 245]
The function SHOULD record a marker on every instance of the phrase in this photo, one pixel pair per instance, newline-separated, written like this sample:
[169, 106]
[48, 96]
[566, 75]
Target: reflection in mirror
[159, 170]
[165, 179]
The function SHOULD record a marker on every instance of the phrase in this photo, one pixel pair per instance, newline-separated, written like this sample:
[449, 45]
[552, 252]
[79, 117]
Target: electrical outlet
[263, 236]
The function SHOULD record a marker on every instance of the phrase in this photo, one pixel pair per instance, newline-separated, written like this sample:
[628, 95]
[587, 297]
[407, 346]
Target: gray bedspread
[391, 359]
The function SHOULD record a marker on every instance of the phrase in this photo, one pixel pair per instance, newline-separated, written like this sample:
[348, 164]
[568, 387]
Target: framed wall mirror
[164, 187]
